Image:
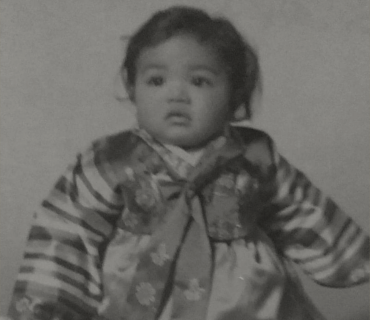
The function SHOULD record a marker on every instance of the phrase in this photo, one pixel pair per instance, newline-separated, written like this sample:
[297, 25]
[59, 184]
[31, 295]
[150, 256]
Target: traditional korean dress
[139, 230]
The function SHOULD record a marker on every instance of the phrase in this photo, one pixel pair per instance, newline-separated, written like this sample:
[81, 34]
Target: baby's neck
[190, 155]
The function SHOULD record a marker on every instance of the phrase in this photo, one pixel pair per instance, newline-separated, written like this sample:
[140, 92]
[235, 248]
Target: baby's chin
[187, 142]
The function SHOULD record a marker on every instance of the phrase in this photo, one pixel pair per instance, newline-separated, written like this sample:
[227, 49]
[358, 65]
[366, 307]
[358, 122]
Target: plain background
[59, 64]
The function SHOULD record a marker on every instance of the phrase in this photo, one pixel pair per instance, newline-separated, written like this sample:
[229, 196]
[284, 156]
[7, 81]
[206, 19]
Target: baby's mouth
[179, 118]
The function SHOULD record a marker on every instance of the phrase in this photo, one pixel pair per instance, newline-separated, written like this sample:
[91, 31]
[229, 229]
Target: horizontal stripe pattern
[310, 229]
[62, 262]
[50, 289]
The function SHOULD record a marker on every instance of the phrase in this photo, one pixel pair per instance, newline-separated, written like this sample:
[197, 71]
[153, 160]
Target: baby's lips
[178, 115]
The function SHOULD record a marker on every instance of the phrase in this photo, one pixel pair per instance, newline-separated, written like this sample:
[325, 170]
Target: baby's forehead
[166, 67]
[184, 52]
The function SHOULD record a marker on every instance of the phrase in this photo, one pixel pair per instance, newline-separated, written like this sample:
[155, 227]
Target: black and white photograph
[184, 160]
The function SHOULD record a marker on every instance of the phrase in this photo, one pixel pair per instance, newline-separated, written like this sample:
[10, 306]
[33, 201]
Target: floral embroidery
[129, 173]
[130, 220]
[224, 186]
[34, 303]
[242, 181]
[145, 293]
[360, 273]
[245, 183]
[222, 229]
[226, 181]
[160, 256]
[145, 197]
[195, 291]
[29, 308]
[23, 305]
[227, 225]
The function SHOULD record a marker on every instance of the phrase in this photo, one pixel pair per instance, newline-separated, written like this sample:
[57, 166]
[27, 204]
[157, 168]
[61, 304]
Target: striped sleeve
[60, 275]
[311, 230]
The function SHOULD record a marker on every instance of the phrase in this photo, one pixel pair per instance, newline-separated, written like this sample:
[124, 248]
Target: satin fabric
[248, 279]
[91, 232]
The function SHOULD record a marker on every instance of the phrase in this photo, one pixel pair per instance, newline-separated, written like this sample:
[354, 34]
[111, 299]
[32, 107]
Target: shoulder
[249, 135]
[108, 156]
[115, 147]
[258, 145]
[109, 151]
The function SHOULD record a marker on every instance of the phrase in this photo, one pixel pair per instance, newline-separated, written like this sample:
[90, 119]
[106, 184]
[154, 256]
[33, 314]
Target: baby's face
[181, 92]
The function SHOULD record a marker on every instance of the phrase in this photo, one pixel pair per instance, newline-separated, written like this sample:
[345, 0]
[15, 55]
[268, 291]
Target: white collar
[190, 157]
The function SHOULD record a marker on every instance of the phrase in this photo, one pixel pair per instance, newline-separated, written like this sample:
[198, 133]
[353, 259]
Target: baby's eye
[155, 81]
[199, 81]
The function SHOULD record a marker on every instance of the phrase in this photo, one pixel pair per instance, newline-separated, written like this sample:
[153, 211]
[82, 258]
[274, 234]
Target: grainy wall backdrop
[59, 62]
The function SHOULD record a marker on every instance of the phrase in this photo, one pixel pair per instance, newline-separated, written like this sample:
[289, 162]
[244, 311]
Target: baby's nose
[178, 91]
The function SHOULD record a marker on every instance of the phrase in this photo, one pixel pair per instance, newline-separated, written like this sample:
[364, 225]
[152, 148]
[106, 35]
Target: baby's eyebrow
[152, 66]
[202, 67]
[195, 67]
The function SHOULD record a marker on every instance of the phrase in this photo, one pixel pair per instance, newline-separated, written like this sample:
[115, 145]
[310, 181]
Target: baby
[187, 216]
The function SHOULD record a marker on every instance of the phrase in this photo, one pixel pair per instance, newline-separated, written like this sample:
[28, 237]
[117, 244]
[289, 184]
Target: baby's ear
[129, 87]
[240, 113]
[238, 103]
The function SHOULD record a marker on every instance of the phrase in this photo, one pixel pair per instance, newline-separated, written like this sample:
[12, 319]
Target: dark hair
[238, 56]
